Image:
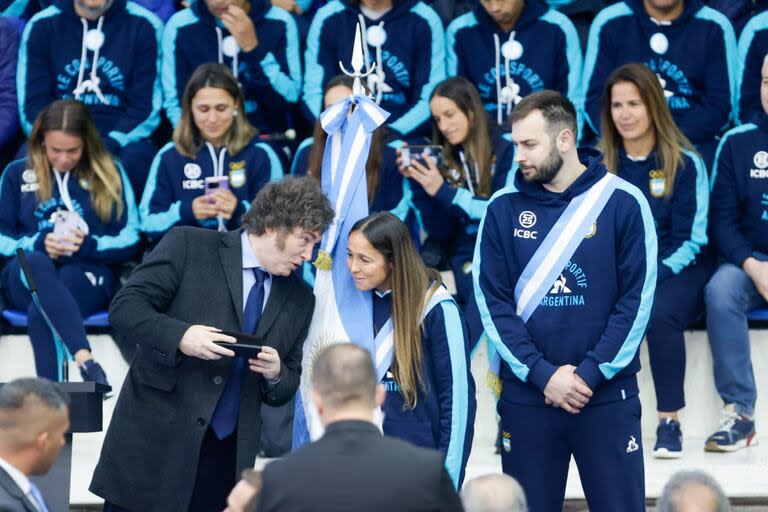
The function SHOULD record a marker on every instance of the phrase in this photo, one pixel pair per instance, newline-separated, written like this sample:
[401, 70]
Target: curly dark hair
[288, 204]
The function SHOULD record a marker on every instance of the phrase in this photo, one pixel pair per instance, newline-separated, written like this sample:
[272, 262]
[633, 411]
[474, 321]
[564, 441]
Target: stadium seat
[19, 319]
[758, 315]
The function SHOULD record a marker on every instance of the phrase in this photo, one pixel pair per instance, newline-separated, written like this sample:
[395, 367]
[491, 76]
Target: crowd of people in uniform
[137, 119]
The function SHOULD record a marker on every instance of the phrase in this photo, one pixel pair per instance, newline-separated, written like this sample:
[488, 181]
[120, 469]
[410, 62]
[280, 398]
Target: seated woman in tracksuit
[430, 391]
[451, 201]
[67, 172]
[643, 145]
[212, 140]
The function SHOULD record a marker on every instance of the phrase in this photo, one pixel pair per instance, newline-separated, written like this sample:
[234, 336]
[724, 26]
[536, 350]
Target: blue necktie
[224, 419]
[37, 497]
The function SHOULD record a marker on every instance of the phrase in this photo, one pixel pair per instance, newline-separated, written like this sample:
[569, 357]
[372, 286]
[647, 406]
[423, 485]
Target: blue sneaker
[735, 432]
[93, 372]
[669, 440]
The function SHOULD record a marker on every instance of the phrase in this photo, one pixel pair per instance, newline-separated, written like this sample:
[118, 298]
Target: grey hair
[493, 493]
[668, 502]
[14, 395]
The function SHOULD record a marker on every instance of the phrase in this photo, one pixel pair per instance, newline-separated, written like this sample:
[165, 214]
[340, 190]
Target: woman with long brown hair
[450, 200]
[71, 207]
[430, 391]
[642, 144]
[214, 167]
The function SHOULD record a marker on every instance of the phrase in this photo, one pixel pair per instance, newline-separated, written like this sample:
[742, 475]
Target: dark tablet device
[247, 346]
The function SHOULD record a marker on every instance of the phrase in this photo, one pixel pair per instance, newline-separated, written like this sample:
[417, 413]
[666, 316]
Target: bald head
[692, 491]
[493, 493]
[34, 415]
[344, 377]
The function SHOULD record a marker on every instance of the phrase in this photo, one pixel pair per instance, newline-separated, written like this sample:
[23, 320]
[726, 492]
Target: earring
[234, 113]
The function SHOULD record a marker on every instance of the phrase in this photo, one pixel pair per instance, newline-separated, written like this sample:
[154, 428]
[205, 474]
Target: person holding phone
[71, 207]
[430, 391]
[215, 165]
[451, 200]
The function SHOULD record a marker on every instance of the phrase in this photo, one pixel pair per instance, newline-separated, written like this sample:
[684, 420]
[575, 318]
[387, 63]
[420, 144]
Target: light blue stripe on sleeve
[748, 127]
[629, 347]
[731, 52]
[289, 87]
[454, 457]
[420, 112]
[593, 50]
[275, 167]
[8, 245]
[313, 74]
[473, 207]
[757, 24]
[16, 9]
[172, 102]
[404, 206]
[466, 20]
[688, 251]
[21, 66]
[144, 129]
[517, 367]
[305, 145]
[159, 221]
[129, 235]
[572, 53]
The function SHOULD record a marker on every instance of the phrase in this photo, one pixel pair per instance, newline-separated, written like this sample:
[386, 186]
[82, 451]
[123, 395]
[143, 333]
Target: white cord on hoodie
[92, 84]
[220, 38]
[508, 95]
[61, 184]
[377, 83]
[218, 170]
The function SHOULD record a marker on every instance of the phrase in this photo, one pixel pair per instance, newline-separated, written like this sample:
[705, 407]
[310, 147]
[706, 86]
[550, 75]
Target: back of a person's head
[33, 418]
[493, 493]
[344, 377]
[692, 491]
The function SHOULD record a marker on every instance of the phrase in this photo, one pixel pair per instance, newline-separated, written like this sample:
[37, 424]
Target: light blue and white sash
[556, 250]
[384, 342]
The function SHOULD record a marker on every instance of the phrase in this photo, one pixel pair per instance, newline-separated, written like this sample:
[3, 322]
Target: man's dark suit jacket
[354, 468]
[12, 498]
[194, 276]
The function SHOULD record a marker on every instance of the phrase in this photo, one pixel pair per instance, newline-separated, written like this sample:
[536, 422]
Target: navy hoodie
[739, 208]
[126, 71]
[175, 181]
[681, 220]
[9, 113]
[550, 58]
[412, 55]
[25, 221]
[270, 74]
[753, 46]
[694, 55]
[598, 318]
[452, 216]
[444, 415]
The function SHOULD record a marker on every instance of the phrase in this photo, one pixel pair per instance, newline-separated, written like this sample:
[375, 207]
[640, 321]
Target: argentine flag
[342, 312]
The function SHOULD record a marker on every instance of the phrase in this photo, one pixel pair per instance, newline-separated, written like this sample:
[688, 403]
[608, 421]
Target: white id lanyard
[467, 173]
[61, 183]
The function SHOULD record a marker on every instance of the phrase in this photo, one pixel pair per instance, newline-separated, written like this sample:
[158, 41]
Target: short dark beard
[548, 169]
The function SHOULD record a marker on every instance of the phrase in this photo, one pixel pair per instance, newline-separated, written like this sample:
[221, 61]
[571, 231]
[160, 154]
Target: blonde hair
[413, 284]
[670, 143]
[95, 165]
[187, 136]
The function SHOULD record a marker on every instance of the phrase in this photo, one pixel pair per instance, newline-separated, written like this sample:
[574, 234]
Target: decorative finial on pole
[357, 64]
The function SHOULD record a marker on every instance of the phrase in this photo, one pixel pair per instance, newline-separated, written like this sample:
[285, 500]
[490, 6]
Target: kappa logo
[192, 171]
[761, 159]
[632, 446]
[527, 220]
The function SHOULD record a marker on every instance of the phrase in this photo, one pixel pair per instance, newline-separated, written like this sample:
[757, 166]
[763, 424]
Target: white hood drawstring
[228, 46]
[218, 170]
[375, 36]
[508, 95]
[61, 184]
[92, 40]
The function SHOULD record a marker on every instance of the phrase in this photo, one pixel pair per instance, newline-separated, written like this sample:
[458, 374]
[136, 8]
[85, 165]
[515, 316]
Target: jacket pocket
[155, 376]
